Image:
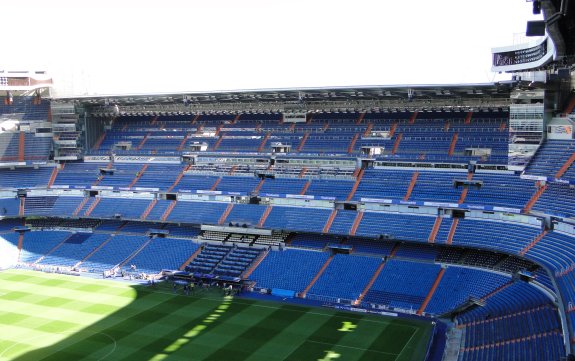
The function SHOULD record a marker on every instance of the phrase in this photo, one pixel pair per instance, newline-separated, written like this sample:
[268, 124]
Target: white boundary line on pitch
[352, 347]
[408, 342]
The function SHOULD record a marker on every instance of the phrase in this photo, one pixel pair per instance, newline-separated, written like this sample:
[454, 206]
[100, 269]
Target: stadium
[400, 222]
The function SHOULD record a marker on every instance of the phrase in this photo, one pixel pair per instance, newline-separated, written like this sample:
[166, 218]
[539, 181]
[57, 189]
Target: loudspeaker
[535, 28]
[563, 73]
[536, 7]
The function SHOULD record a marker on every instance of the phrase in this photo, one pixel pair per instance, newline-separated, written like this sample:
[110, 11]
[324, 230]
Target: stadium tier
[434, 136]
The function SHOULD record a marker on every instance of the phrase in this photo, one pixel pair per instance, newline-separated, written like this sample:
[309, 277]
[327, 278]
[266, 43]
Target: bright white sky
[143, 46]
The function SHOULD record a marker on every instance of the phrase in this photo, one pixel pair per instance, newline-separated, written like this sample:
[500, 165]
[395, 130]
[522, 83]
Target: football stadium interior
[422, 222]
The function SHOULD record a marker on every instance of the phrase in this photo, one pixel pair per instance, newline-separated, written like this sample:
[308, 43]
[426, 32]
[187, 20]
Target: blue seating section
[9, 143]
[65, 206]
[237, 184]
[333, 188]
[249, 214]
[503, 236]
[197, 212]
[163, 253]
[282, 186]
[36, 148]
[458, 284]
[546, 346]
[110, 225]
[79, 174]
[377, 183]
[504, 302]
[158, 211]
[196, 182]
[491, 193]
[182, 231]
[370, 246]
[209, 258]
[342, 222]
[517, 323]
[25, 177]
[6, 225]
[402, 284]
[428, 138]
[123, 175]
[113, 252]
[69, 254]
[312, 241]
[557, 251]
[29, 107]
[236, 261]
[384, 183]
[127, 208]
[37, 244]
[532, 322]
[9, 207]
[139, 227]
[550, 157]
[345, 277]
[418, 251]
[160, 176]
[558, 200]
[290, 269]
[300, 219]
[39, 206]
[437, 185]
[399, 226]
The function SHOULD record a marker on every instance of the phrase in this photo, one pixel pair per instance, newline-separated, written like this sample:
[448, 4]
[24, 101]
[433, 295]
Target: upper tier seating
[35, 148]
[430, 137]
[9, 147]
[26, 106]
[25, 177]
[550, 157]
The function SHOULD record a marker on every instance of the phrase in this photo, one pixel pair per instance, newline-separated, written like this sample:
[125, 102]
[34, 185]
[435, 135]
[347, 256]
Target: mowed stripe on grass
[56, 317]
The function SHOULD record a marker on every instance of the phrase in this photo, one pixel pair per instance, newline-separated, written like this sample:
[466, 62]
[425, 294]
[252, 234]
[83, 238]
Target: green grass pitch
[60, 318]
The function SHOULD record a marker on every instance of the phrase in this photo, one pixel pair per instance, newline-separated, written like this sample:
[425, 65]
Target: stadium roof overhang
[560, 24]
[358, 98]
[493, 90]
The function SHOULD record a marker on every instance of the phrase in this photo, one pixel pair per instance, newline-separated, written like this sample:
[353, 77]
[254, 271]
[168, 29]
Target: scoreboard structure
[523, 57]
